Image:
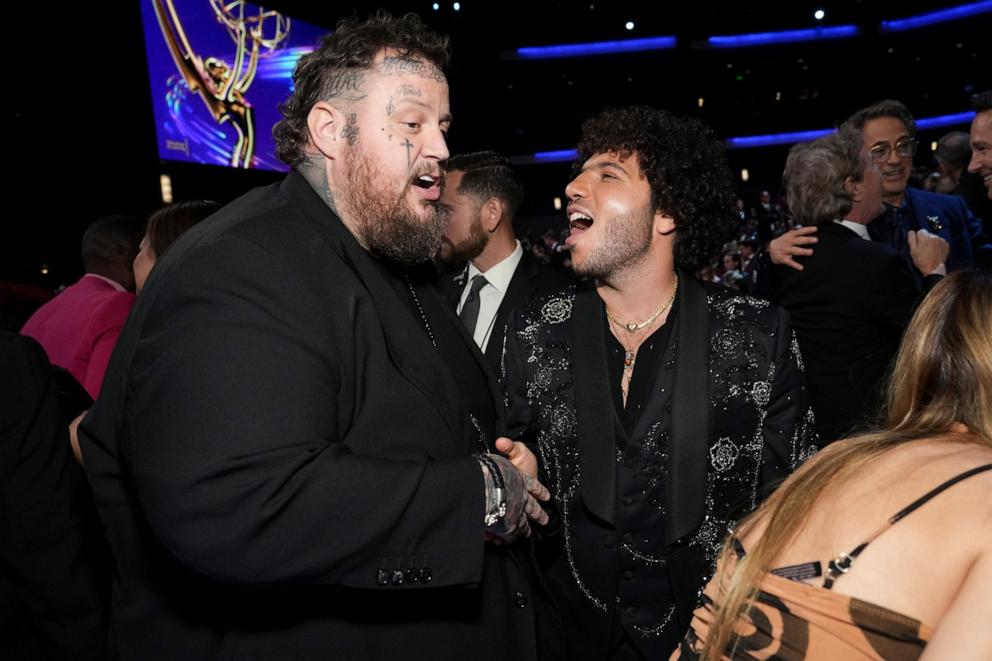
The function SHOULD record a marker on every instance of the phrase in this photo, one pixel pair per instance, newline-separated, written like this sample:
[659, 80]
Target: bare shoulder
[967, 500]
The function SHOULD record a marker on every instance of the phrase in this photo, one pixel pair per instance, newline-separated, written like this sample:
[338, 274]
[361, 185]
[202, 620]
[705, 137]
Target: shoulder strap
[842, 563]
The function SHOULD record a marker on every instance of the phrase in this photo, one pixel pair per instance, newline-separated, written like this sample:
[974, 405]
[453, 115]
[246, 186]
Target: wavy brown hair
[942, 374]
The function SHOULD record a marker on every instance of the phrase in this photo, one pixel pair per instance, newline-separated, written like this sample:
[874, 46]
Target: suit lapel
[521, 288]
[453, 285]
[593, 407]
[425, 289]
[408, 345]
[690, 412]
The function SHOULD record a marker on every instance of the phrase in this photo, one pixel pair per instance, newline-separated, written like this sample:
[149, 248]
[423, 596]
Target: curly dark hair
[337, 69]
[686, 167]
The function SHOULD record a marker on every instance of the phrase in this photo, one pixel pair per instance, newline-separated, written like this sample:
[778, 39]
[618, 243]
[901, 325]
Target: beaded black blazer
[727, 417]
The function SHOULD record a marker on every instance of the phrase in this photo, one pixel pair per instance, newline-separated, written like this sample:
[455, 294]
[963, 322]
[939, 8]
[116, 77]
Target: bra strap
[841, 564]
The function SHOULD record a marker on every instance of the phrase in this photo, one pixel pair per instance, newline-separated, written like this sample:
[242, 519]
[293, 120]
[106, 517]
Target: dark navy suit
[945, 215]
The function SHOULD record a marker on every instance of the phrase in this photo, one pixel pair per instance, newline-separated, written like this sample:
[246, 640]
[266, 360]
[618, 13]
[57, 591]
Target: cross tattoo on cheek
[409, 146]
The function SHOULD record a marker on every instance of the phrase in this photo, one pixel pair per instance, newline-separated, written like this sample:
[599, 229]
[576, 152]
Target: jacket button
[627, 575]
[608, 541]
[519, 599]
[412, 575]
[397, 577]
[627, 500]
[426, 575]
[382, 577]
[631, 611]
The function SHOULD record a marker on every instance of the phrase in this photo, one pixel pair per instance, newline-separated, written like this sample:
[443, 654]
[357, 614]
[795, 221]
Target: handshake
[512, 492]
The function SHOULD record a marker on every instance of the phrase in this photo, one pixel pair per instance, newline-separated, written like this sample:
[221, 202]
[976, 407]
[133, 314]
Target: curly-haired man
[291, 458]
[659, 406]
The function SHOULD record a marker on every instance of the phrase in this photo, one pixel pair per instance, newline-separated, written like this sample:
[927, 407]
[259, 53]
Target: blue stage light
[951, 14]
[596, 48]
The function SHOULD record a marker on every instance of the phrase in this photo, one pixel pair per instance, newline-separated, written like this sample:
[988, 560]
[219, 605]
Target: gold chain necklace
[639, 326]
[630, 355]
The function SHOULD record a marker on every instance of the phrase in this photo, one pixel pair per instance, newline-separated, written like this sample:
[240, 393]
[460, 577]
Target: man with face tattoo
[287, 462]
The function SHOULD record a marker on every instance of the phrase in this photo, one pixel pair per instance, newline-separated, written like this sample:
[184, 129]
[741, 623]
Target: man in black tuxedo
[854, 296]
[54, 565]
[481, 197]
[660, 406]
[291, 451]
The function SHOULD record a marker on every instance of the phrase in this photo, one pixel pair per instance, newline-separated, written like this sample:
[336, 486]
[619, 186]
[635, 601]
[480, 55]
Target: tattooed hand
[521, 493]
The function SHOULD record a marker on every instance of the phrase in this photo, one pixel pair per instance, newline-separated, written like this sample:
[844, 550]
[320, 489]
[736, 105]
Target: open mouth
[427, 181]
[429, 186]
[578, 222]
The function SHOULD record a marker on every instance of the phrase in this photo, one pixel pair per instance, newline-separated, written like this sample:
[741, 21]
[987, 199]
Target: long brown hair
[942, 376]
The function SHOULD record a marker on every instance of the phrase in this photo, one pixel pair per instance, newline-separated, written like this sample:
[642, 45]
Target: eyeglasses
[905, 148]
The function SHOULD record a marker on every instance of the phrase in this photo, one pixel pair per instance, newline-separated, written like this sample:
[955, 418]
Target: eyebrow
[897, 140]
[608, 165]
[445, 118]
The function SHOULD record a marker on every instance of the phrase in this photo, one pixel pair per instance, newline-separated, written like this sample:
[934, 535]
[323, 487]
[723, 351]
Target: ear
[324, 122]
[492, 213]
[663, 223]
[855, 189]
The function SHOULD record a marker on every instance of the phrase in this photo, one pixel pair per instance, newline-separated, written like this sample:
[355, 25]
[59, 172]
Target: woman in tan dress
[880, 546]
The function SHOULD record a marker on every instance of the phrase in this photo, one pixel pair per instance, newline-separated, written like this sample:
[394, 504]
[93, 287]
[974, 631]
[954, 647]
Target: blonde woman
[880, 547]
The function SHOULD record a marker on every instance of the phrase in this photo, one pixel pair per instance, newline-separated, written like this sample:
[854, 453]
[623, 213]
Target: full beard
[387, 225]
[467, 249]
[625, 244]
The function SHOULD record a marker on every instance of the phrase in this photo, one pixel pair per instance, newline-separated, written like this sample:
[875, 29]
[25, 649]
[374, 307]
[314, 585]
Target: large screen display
[219, 70]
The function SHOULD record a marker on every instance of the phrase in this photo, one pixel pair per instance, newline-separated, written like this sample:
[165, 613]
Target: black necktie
[470, 311]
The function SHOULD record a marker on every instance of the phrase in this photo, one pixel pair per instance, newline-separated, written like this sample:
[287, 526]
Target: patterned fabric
[759, 429]
[794, 621]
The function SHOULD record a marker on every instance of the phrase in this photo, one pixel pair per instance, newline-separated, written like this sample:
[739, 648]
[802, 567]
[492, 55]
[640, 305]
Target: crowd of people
[352, 415]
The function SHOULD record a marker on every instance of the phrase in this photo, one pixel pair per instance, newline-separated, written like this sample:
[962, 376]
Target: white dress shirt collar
[857, 228]
[491, 296]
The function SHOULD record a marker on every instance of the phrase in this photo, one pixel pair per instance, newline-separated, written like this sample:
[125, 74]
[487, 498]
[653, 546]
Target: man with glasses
[889, 131]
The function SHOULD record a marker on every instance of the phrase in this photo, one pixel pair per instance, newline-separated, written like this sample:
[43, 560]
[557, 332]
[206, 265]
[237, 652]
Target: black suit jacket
[283, 464]
[530, 279]
[849, 307]
[738, 419]
[54, 568]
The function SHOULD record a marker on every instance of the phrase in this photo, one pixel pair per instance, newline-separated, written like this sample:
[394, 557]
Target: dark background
[79, 116]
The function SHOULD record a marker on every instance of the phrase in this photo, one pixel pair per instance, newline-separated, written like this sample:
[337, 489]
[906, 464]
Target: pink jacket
[79, 327]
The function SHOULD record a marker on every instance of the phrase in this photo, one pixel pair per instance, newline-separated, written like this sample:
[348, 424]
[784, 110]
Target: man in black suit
[291, 451]
[481, 197]
[854, 297]
[54, 569]
[660, 405]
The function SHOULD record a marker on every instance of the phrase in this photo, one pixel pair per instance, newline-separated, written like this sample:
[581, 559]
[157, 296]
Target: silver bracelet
[496, 497]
